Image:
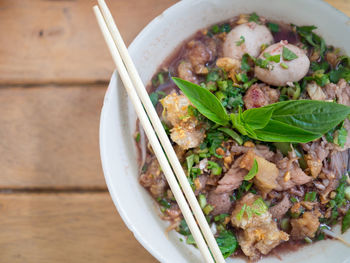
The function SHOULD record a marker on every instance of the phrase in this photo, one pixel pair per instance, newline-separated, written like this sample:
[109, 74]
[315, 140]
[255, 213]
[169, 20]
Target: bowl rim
[114, 79]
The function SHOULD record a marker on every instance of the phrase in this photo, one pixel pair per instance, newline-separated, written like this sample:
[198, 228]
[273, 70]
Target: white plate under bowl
[150, 48]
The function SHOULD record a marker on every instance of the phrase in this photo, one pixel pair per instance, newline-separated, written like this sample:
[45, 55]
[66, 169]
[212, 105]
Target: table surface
[54, 70]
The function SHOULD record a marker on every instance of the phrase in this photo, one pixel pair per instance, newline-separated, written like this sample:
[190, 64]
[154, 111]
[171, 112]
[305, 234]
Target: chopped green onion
[220, 217]
[298, 213]
[252, 172]
[207, 209]
[249, 83]
[189, 162]
[345, 225]
[259, 207]
[204, 155]
[262, 63]
[212, 76]
[308, 240]
[240, 214]
[161, 78]
[294, 92]
[347, 192]
[202, 200]
[294, 200]
[285, 224]
[263, 47]
[242, 77]
[222, 84]
[220, 95]
[195, 172]
[183, 228]
[211, 86]
[196, 158]
[295, 215]
[310, 196]
[163, 202]
[190, 240]
[284, 65]
[215, 168]
[138, 137]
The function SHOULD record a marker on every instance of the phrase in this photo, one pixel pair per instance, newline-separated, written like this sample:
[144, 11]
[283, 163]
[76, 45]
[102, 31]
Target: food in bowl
[257, 111]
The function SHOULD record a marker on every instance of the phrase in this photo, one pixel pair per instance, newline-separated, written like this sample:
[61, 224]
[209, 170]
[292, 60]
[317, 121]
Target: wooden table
[54, 70]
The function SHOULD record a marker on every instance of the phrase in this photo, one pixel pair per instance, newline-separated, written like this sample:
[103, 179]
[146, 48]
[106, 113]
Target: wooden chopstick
[140, 89]
[169, 150]
[157, 148]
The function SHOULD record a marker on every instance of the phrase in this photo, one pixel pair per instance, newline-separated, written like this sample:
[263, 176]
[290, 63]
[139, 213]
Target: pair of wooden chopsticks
[137, 93]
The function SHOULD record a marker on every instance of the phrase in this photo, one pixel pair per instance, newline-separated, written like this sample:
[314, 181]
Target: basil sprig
[205, 101]
[252, 172]
[310, 115]
[298, 121]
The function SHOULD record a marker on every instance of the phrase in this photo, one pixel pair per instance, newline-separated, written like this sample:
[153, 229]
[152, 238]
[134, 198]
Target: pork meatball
[254, 36]
[285, 71]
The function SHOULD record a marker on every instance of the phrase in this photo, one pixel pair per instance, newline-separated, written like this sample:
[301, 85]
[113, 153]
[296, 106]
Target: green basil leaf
[257, 118]
[276, 131]
[317, 117]
[227, 243]
[232, 134]
[252, 172]
[237, 122]
[288, 54]
[346, 222]
[205, 102]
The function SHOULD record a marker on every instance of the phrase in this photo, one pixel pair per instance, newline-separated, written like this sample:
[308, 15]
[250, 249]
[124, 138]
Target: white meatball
[289, 71]
[254, 37]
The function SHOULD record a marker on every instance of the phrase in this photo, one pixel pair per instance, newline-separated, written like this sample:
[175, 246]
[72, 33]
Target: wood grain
[41, 228]
[342, 5]
[49, 137]
[59, 41]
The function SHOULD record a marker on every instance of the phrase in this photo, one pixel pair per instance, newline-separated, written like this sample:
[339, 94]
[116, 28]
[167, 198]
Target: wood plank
[68, 228]
[342, 5]
[59, 41]
[49, 137]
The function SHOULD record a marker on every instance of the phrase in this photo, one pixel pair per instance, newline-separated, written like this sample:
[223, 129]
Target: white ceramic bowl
[150, 48]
